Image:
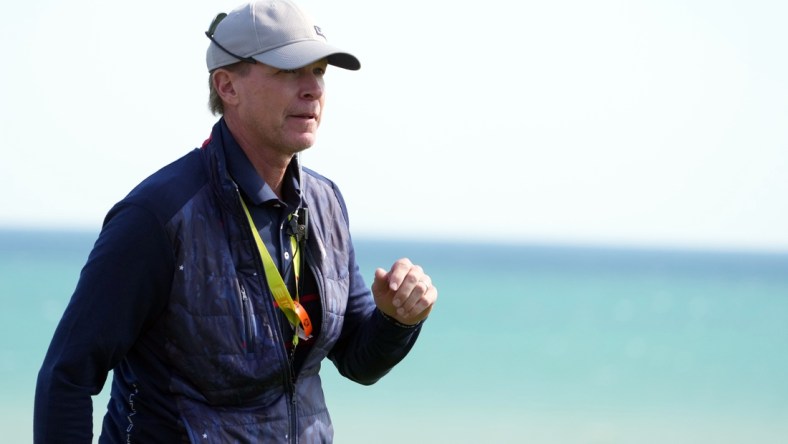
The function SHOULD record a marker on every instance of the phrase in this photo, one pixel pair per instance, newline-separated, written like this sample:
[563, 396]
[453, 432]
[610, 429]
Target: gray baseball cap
[275, 32]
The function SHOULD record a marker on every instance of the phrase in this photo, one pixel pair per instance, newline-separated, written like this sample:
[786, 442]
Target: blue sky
[658, 123]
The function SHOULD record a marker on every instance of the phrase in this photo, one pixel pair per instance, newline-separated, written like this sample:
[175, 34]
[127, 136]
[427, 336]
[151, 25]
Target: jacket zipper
[246, 309]
[273, 316]
[293, 397]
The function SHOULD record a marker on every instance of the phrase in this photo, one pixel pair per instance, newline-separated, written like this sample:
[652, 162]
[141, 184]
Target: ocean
[527, 344]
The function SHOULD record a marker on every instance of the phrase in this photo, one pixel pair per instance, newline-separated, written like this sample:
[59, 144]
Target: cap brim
[299, 54]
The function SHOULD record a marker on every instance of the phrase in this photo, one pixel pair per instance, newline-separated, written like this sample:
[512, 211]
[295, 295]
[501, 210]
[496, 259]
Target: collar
[250, 183]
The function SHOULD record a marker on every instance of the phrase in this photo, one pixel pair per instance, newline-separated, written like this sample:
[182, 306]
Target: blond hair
[215, 104]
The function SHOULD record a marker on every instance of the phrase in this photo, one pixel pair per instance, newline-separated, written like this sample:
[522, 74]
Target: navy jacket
[173, 300]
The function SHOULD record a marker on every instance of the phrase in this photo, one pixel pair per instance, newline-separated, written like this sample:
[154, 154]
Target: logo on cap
[320, 32]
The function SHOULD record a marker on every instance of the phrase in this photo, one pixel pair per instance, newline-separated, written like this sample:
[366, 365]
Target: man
[219, 284]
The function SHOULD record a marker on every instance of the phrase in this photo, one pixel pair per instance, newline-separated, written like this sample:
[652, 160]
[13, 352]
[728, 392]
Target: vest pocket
[247, 316]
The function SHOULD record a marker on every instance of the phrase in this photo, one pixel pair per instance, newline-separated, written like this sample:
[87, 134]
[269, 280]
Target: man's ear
[223, 84]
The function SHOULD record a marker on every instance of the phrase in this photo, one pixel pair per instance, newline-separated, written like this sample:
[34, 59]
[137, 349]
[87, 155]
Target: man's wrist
[396, 322]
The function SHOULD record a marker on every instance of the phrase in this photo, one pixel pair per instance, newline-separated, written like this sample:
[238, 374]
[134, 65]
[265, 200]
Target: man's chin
[294, 148]
[304, 142]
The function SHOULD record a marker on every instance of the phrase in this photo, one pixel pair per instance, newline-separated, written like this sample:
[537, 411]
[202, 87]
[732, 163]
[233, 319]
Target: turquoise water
[528, 344]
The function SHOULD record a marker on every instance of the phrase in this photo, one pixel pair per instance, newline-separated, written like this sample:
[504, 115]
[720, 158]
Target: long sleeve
[122, 287]
[370, 344]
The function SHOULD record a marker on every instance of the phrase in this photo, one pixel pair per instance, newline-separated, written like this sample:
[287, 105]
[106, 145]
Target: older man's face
[280, 109]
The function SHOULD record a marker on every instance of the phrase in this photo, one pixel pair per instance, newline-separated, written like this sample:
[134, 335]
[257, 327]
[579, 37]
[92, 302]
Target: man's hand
[404, 293]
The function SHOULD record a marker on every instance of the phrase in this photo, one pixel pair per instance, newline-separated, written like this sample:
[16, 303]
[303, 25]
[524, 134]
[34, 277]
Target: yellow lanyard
[295, 313]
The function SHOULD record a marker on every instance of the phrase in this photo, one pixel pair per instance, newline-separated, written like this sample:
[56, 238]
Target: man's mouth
[306, 116]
